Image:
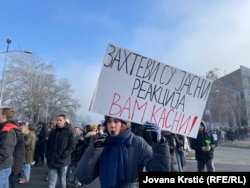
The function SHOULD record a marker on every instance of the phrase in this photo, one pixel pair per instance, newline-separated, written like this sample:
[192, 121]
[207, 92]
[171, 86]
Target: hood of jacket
[203, 123]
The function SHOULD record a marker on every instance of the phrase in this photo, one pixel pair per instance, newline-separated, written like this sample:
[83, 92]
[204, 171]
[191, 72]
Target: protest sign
[137, 88]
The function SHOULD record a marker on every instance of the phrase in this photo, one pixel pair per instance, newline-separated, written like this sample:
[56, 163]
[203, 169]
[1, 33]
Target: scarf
[114, 161]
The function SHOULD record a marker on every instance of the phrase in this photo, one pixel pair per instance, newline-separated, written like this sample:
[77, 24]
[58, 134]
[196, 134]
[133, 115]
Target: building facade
[237, 83]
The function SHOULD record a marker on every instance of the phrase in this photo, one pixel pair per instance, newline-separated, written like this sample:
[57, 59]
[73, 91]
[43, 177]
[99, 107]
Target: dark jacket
[41, 138]
[199, 142]
[172, 142]
[12, 147]
[19, 154]
[141, 155]
[61, 144]
[79, 149]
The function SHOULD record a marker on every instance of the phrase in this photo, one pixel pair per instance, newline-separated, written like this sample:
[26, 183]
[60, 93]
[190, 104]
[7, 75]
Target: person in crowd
[181, 151]
[90, 134]
[204, 147]
[99, 131]
[30, 143]
[40, 144]
[215, 136]
[172, 148]
[76, 156]
[231, 135]
[71, 165]
[52, 125]
[10, 135]
[118, 156]
[19, 157]
[222, 133]
[60, 145]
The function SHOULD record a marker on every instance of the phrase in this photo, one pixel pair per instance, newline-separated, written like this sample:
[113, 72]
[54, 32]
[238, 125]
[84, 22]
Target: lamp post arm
[24, 51]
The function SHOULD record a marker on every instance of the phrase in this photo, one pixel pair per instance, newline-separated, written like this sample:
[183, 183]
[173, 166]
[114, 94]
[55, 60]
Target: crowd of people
[75, 156]
[59, 145]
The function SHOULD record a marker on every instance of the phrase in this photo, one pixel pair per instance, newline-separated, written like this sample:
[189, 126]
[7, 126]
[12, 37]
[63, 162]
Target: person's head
[77, 131]
[115, 126]
[42, 125]
[202, 126]
[52, 124]
[25, 130]
[87, 128]
[100, 128]
[94, 127]
[6, 113]
[61, 120]
[32, 127]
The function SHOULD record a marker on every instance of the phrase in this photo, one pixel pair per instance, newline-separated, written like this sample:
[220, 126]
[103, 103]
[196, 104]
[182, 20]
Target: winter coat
[30, 144]
[140, 155]
[60, 145]
[19, 154]
[89, 137]
[172, 142]
[79, 150]
[199, 142]
[11, 147]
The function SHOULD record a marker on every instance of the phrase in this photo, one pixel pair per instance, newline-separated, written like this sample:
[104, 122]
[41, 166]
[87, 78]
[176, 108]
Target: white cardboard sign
[137, 88]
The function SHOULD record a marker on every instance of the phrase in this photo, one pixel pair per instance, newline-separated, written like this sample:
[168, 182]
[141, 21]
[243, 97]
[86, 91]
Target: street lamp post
[6, 55]
[8, 41]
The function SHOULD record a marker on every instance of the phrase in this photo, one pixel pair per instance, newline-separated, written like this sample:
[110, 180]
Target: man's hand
[206, 149]
[155, 131]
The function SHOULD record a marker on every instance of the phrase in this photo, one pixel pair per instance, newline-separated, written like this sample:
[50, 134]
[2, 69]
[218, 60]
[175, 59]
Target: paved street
[227, 159]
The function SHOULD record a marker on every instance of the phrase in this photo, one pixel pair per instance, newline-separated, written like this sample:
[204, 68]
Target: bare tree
[222, 104]
[213, 74]
[31, 88]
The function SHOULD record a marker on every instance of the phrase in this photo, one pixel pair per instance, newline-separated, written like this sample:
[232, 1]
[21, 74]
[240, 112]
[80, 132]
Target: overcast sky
[193, 35]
